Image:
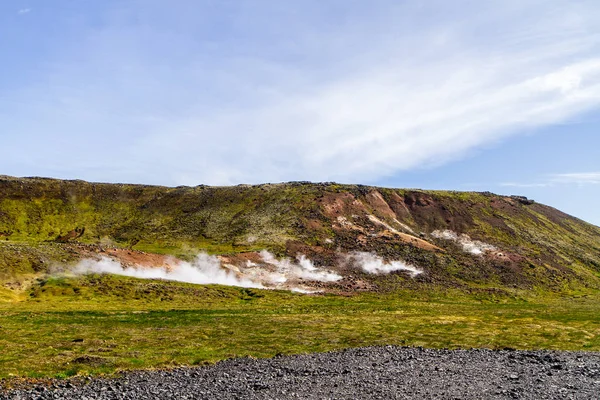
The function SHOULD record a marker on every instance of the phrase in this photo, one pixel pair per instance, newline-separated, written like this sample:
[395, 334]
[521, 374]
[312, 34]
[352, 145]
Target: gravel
[365, 373]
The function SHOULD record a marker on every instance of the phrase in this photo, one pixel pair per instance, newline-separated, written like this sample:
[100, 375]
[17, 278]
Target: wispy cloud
[24, 11]
[583, 178]
[316, 91]
[592, 178]
[527, 185]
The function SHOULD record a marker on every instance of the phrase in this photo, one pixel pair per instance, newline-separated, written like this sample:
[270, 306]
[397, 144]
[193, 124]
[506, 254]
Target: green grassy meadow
[102, 324]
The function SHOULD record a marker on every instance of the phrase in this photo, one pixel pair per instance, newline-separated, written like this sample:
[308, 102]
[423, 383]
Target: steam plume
[268, 273]
[303, 269]
[374, 264]
[470, 246]
[204, 269]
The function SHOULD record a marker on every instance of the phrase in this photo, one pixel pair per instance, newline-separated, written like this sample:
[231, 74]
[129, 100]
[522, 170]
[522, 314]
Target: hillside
[466, 240]
[384, 266]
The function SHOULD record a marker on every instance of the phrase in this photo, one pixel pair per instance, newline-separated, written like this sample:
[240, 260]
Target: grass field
[101, 324]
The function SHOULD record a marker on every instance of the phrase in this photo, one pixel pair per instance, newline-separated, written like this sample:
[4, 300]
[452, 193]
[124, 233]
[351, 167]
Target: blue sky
[500, 96]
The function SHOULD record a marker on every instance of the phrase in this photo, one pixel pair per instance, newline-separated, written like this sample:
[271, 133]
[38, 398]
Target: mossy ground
[101, 324]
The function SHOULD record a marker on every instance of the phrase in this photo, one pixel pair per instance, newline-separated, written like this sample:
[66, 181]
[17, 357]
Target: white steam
[374, 264]
[470, 246]
[303, 269]
[299, 275]
[204, 269]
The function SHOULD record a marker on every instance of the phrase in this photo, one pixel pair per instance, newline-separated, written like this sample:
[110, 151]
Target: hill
[385, 266]
[373, 239]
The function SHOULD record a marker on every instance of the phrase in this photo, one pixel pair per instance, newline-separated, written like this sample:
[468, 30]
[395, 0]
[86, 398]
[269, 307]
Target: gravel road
[367, 373]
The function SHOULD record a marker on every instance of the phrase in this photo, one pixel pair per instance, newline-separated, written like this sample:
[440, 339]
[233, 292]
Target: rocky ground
[366, 373]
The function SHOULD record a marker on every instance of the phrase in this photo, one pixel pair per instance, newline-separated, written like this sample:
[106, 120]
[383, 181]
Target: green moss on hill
[547, 248]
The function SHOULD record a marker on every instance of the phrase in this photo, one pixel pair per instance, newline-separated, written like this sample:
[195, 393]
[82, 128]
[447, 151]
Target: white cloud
[24, 11]
[581, 178]
[288, 93]
[592, 178]
[526, 185]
